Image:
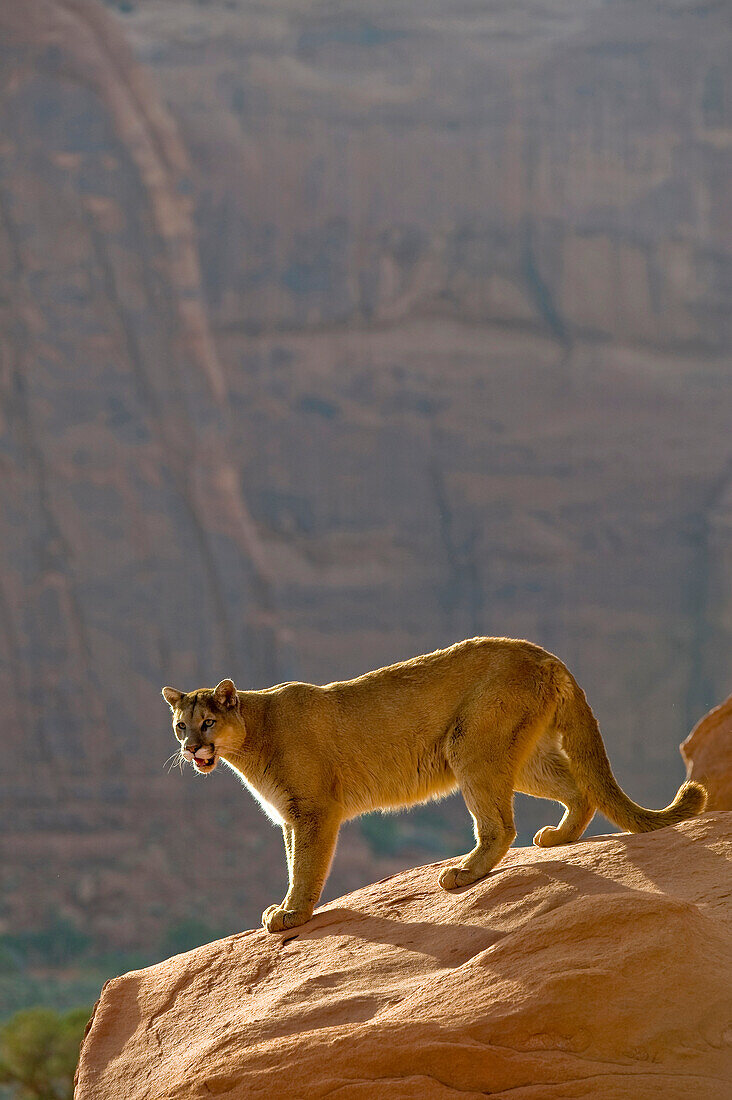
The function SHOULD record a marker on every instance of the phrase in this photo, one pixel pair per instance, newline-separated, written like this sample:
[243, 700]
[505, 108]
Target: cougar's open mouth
[204, 765]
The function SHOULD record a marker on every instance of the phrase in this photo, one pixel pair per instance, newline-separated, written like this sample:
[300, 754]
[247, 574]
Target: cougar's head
[205, 722]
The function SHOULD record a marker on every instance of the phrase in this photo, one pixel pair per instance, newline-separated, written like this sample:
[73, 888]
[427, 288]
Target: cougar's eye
[208, 723]
[180, 726]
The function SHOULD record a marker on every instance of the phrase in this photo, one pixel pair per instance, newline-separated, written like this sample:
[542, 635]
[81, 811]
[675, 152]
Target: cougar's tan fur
[488, 715]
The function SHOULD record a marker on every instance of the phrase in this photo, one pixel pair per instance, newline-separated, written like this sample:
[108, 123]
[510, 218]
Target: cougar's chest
[265, 792]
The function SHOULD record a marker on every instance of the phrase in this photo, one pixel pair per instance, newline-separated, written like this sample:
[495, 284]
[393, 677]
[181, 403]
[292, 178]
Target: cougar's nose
[190, 749]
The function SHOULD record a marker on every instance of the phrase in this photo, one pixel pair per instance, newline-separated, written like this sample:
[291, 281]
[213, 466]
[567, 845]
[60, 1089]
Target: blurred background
[332, 333]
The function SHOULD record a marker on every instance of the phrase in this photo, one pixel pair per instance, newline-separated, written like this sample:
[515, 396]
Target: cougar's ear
[172, 697]
[225, 693]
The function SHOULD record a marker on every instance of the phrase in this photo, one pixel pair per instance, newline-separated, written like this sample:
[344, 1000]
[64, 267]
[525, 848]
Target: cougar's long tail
[588, 760]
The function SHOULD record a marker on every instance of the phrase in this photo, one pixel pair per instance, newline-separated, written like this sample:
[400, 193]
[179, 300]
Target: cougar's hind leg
[485, 760]
[547, 774]
[491, 806]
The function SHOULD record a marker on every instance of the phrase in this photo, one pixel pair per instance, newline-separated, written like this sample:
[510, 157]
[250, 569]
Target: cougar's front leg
[287, 838]
[287, 834]
[312, 843]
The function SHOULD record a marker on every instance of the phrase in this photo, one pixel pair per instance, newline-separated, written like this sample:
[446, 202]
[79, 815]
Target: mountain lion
[488, 715]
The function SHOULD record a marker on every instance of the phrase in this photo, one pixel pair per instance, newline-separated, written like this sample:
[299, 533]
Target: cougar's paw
[278, 919]
[452, 877]
[547, 837]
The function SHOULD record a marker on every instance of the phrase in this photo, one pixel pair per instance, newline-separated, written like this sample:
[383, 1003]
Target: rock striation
[600, 970]
[708, 755]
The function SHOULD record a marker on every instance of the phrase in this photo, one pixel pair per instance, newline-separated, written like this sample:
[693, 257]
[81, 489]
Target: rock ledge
[707, 752]
[602, 969]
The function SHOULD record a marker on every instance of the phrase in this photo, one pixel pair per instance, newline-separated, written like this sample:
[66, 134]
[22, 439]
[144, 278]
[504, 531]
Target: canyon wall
[329, 338]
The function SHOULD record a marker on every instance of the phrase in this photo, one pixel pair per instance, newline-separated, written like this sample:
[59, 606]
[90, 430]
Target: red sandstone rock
[598, 970]
[708, 755]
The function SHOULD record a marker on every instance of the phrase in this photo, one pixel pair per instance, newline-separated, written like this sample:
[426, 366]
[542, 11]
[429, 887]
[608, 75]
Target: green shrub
[39, 1049]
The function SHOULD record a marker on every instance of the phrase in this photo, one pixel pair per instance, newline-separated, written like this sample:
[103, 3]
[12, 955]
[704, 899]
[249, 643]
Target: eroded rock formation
[708, 755]
[599, 970]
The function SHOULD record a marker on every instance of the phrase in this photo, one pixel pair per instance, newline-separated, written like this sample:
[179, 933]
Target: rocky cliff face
[559, 166]
[124, 534]
[602, 974]
[482, 259]
[329, 338]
